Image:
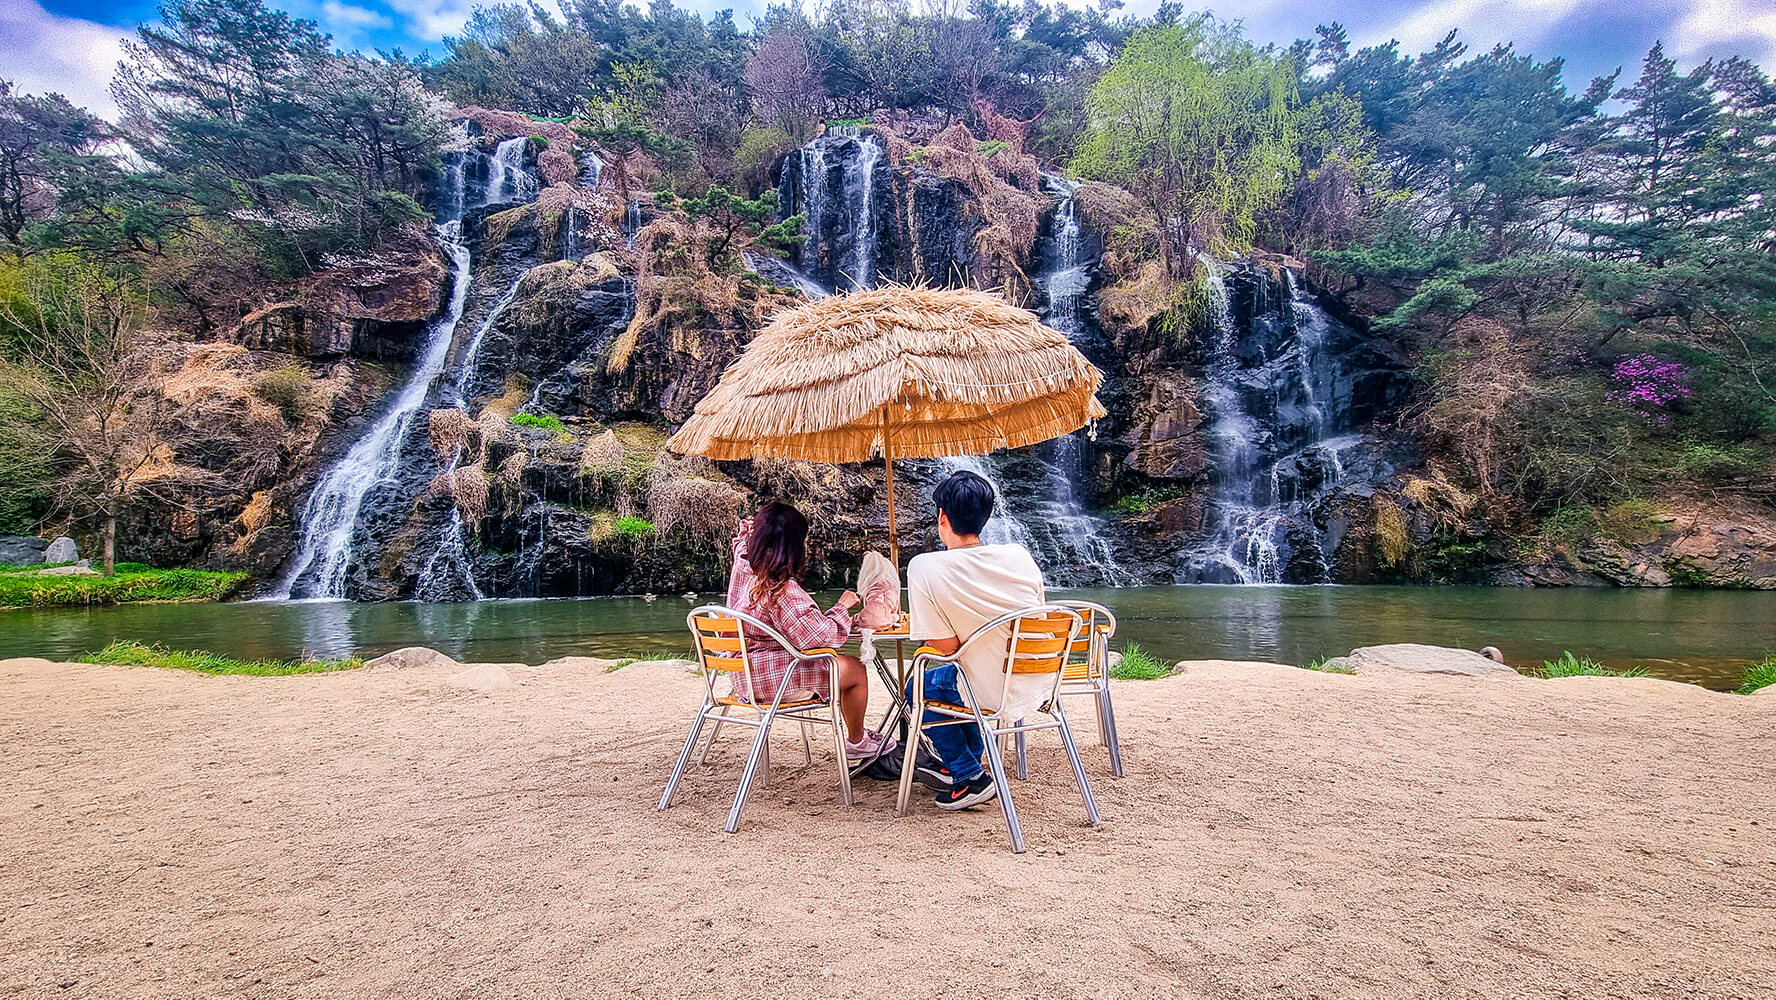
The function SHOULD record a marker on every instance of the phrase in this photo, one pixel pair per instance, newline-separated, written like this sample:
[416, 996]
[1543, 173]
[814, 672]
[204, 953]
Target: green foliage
[1758, 675]
[632, 528]
[992, 147]
[1713, 463]
[848, 122]
[734, 222]
[539, 142]
[1631, 522]
[1569, 665]
[289, 387]
[544, 421]
[1149, 498]
[1202, 126]
[121, 587]
[1138, 665]
[137, 654]
[1573, 524]
[1324, 665]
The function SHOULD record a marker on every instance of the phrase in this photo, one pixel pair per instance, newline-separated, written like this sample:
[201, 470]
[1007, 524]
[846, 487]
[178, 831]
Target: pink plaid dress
[793, 613]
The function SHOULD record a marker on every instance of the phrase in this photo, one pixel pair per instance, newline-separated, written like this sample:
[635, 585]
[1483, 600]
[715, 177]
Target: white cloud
[335, 15]
[430, 19]
[45, 53]
[1484, 22]
[1726, 27]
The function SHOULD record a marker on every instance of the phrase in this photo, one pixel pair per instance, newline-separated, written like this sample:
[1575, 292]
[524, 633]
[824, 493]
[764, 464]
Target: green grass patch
[127, 585]
[654, 657]
[1569, 665]
[1758, 675]
[991, 147]
[633, 528]
[1323, 664]
[1149, 499]
[543, 422]
[137, 654]
[847, 122]
[1139, 665]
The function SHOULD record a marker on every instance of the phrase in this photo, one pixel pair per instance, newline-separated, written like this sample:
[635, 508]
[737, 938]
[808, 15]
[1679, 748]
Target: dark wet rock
[21, 550]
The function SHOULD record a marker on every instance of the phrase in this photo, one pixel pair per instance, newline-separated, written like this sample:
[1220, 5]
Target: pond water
[1700, 636]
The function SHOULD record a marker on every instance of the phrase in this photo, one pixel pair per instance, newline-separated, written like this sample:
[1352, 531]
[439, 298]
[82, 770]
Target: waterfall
[860, 190]
[507, 180]
[835, 188]
[335, 510]
[1275, 456]
[328, 518]
[464, 380]
[782, 272]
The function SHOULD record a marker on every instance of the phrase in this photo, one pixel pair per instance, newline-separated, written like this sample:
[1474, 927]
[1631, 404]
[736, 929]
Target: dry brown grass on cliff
[601, 452]
[1137, 299]
[556, 165]
[500, 124]
[705, 510]
[1130, 235]
[468, 487]
[1393, 536]
[450, 431]
[1436, 495]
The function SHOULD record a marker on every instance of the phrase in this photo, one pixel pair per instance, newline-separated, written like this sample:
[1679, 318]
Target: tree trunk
[110, 540]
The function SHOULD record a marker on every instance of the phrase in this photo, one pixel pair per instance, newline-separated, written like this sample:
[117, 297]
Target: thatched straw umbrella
[897, 372]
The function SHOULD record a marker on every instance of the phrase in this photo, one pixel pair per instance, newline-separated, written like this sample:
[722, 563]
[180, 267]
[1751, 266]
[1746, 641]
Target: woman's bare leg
[853, 695]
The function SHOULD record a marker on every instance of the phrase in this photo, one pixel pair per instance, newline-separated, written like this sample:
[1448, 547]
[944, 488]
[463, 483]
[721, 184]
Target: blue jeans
[958, 745]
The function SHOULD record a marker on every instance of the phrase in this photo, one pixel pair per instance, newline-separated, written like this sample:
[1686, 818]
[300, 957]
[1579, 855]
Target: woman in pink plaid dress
[770, 552]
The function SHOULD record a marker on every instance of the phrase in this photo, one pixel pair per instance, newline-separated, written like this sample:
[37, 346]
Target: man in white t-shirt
[951, 594]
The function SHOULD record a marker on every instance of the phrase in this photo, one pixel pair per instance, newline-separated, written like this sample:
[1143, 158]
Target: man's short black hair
[968, 501]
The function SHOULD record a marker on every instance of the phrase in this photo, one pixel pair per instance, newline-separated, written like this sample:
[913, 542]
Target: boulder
[1412, 657]
[414, 657]
[21, 550]
[62, 550]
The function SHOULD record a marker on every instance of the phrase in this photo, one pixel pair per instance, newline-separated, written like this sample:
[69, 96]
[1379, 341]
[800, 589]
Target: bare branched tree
[78, 364]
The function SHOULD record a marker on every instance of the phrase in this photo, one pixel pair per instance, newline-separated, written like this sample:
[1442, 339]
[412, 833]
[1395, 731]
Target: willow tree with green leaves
[1202, 126]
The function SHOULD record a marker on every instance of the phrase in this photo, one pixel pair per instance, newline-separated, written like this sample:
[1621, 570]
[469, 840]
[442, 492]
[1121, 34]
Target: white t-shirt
[954, 592]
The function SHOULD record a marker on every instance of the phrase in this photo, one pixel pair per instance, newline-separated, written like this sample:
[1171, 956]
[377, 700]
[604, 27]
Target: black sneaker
[972, 792]
[928, 772]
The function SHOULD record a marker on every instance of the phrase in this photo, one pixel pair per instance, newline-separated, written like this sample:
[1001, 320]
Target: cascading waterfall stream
[328, 518]
[1043, 509]
[331, 516]
[1274, 458]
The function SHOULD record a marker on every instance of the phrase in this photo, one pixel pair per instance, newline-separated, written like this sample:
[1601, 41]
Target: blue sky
[71, 46]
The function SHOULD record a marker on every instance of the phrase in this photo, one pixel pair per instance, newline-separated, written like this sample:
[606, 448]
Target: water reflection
[1701, 636]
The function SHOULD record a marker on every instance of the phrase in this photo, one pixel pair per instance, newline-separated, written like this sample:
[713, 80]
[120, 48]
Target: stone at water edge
[62, 550]
[21, 550]
[1417, 658]
[413, 657]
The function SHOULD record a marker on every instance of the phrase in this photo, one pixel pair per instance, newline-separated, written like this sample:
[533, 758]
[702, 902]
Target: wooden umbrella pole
[888, 475]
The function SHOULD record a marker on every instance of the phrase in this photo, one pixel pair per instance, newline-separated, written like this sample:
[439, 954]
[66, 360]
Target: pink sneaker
[872, 745]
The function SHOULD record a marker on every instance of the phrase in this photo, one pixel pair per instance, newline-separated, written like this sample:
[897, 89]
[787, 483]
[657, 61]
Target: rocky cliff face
[486, 407]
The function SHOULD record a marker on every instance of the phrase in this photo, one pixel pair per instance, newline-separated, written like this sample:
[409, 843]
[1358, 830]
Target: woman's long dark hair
[777, 550]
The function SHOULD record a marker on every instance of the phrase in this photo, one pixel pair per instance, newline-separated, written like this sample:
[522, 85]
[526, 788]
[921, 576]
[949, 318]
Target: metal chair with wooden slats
[1038, 642]
[722, 652]
[1088, 673]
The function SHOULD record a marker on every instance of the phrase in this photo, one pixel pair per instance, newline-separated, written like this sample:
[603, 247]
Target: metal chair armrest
[813, 654]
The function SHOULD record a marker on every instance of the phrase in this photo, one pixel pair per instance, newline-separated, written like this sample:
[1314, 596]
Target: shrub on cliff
[289, 387]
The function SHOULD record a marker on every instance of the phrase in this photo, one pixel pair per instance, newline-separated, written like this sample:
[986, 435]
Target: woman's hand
[742, 533]
[849, 600]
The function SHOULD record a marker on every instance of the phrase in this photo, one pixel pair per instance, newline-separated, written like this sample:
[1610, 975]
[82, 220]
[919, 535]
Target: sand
[431, 830]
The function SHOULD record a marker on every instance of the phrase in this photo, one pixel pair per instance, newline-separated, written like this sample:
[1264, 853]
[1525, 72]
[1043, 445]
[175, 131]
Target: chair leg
[764, 773]
[714, 734]
[908, 754]
[807, 746]
[1103, 700]
[996, 764]
[839, 747]
[1023, 756]
[1091, 804]
[760, 745]
[684, 756]
[1109, 717]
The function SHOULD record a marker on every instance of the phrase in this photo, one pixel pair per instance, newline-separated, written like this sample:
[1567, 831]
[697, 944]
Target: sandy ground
[1279, 833]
